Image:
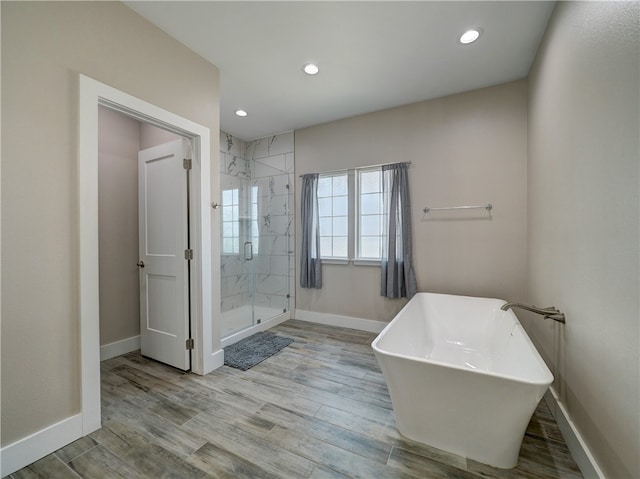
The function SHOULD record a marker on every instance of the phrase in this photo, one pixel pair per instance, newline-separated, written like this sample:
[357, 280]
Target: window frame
[235, 239]
[354, 218]
[336, 259]
[357, 257]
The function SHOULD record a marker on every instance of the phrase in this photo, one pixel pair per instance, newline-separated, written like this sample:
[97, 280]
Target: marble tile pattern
[318, 409]
[268, 165]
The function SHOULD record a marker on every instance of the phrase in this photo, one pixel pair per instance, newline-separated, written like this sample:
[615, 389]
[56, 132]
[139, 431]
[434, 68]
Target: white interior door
[164, 277]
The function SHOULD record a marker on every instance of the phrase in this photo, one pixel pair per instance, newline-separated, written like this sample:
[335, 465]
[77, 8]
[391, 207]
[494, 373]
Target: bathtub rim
[547, 382]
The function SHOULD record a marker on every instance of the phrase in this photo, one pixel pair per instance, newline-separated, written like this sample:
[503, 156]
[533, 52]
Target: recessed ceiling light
[241, 113]
[470, 36]
[311, 69]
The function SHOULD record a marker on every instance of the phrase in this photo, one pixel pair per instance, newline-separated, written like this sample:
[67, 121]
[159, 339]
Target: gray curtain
[310, 268]
[398, 277]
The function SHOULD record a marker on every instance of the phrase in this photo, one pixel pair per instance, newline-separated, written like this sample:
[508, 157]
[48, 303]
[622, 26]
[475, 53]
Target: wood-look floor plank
[100, 462]
[319, 409]
[270, 393]
[355, 421]
[325, 393]
[24, 473]
[173, 411]
[429, 453]
[489, 472]
[322, 472]
[330, 456]
[49, 467]
[260, 451]
[221, 464]
[351, 441]
[557, 460]
[421, 466]
[75, 449]
[201, 397]
[147, 457]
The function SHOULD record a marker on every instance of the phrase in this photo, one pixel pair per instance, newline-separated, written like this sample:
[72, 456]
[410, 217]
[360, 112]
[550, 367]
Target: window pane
[340, 185]
[371, 204]
[227, 229]
[370, 225]
[324, 207]
[340, 206]
[236, 229]
[333, 210]
[226, 197]
[325, 226]
[370, 247]
[340, 226]
[227, 245]
[324, 186]
[235, 196]
[370, 181]
[325, 246]
[227, 213]
[340, 247]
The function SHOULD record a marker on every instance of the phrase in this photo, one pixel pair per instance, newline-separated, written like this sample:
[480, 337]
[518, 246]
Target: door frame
[205, 292]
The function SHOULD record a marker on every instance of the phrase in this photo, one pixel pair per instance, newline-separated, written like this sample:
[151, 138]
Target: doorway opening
[207, 353]
[144, 236]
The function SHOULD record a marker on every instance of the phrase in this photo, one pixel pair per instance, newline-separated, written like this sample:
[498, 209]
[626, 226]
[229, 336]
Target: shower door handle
[248, 257]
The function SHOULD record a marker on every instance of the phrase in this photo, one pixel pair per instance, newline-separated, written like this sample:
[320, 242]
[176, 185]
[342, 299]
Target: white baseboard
[39, 444]
[214, 361]
[360, 324]
[245, 333]
[119, 348]
[578, 448]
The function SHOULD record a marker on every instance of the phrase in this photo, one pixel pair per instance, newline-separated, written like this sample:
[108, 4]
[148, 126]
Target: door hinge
[190, 344]
[188, 254]
[186, 163]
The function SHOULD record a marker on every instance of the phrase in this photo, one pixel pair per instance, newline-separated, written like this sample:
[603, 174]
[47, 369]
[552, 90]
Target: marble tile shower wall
[268, 164]
[235, 170]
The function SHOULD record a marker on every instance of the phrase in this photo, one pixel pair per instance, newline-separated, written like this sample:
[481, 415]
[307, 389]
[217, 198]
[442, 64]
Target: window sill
[366, 262]
[355, 262]
[334, 261]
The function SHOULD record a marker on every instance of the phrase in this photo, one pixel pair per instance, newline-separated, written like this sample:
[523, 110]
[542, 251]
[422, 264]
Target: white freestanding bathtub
[463, 376]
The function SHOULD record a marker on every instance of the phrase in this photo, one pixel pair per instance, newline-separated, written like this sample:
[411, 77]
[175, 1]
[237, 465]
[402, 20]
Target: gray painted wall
[44, 48]
[584, 220]
[465, 149]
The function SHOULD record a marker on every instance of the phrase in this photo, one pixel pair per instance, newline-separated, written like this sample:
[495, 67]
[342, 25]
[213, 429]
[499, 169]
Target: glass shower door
[237, 267]
[272, 268]
[256, 244]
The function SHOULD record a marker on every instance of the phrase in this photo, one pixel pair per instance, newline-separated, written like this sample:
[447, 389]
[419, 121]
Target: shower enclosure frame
[256, 254]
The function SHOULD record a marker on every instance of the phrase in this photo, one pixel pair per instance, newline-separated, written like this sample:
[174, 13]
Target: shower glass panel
[255, 225]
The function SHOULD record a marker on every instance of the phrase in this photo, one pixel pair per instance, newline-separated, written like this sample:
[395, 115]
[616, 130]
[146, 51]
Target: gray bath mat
[250, 351]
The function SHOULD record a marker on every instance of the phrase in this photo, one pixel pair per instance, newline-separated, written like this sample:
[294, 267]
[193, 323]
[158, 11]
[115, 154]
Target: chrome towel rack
[487, 207]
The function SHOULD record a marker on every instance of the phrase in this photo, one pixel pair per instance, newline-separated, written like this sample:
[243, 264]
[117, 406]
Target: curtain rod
[358, 168]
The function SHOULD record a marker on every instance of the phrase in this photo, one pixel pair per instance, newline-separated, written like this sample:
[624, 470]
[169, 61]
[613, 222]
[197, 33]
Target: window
[361, 194]
[230, 221]
[333, 213]
[255, 232]
[370, 214]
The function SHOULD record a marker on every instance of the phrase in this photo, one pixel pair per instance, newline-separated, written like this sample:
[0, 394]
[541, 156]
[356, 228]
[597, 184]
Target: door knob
[140, 264]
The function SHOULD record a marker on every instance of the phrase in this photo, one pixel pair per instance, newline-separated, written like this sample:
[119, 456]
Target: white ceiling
[372, 55]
